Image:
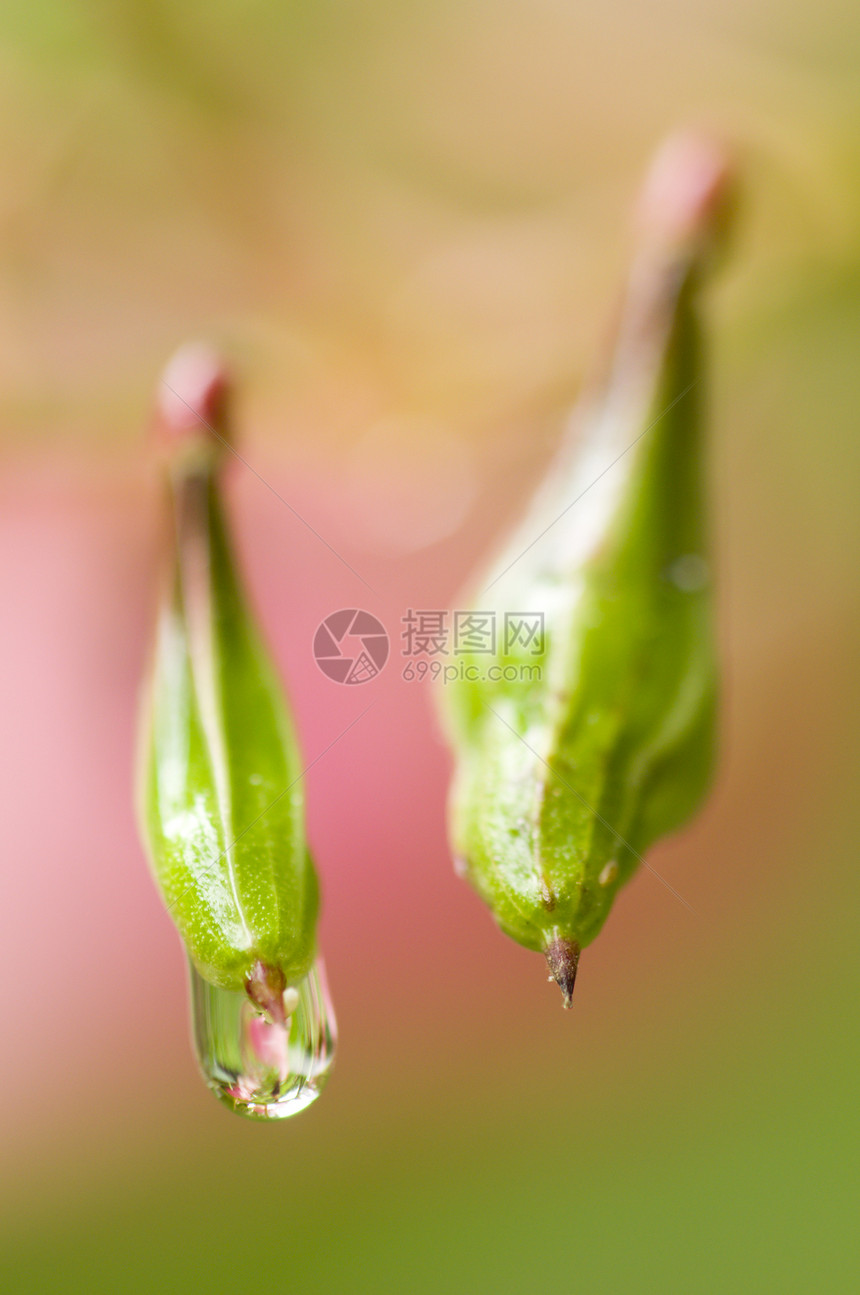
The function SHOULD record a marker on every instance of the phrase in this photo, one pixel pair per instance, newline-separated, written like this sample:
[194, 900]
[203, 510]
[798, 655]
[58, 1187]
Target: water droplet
[258, 1067]
[689, 573]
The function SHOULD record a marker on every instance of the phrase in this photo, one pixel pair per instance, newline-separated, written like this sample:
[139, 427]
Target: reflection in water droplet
[255, 1066]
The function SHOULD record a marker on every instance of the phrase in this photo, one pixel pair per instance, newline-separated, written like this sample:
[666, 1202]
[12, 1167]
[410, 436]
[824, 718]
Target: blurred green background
[405, 224]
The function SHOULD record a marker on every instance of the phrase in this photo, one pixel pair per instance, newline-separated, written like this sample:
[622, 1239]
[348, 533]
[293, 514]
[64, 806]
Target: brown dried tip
[265, 987]
[191, 399]
[686, 191]
[562, 957]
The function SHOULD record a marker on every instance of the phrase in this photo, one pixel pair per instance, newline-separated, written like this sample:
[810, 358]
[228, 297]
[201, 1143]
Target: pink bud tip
[191, 396]
[685, 190]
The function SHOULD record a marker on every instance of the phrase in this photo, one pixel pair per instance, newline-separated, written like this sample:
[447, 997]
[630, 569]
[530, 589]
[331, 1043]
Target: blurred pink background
[406, 227]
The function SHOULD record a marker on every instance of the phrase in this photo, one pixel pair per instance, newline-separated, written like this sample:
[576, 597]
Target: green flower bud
[220, 789]
[562, 781]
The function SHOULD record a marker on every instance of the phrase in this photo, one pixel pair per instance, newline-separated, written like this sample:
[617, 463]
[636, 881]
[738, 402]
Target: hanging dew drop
[220, 786]
[259, 1067]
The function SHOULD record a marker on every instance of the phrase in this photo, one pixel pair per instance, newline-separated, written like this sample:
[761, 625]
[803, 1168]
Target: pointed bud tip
[266, 987]
[686, 189]
[191, 396]
[562, 957]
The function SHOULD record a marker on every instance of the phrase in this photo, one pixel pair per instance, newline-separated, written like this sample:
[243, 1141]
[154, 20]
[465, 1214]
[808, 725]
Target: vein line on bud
[194, 500]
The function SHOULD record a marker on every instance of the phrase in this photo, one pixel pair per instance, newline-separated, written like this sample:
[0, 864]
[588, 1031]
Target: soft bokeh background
[406, 223]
